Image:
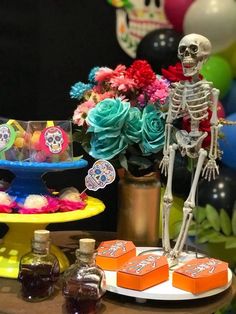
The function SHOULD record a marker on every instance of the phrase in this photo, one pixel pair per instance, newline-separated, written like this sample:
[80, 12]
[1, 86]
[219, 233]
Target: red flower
[174, 73]
[141, 72]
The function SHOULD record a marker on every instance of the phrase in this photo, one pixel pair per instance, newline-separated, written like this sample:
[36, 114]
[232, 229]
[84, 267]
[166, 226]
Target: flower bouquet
[120, 115]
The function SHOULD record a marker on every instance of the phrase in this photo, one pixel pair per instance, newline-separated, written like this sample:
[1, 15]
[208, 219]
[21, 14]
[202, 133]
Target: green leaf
[176, 228]
[206, 235]
[77, 157]
[225, 222]
[213, 217]
[199, 214]
[192, 231]
[230, 243]
[234, 222]
[205, 225]
[217, 238]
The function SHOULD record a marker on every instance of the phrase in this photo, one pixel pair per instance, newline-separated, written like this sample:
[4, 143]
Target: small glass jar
[39, 269]
[84, 282]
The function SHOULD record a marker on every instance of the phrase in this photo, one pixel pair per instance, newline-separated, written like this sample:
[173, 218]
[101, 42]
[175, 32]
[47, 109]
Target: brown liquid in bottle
[84, 283]
[39, 269]
[37, 281]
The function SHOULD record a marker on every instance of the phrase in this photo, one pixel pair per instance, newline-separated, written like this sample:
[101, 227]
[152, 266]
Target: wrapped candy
[39, 204]
[6, 203]
[70, 199]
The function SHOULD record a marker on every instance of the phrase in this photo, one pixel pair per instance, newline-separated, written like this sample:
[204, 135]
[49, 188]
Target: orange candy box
[142, 272]
[201, 275]
[111, 255]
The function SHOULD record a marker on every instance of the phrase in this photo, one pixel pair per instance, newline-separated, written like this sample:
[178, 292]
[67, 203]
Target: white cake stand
[165, 290]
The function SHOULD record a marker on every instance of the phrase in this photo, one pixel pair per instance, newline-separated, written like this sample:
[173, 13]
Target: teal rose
[107, 147]
[108, 116]
[105, 122]
[153, 131]
[132, 129]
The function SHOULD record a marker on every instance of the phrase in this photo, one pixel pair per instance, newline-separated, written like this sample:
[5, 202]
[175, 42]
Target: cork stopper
[41, 235]
[87, 246]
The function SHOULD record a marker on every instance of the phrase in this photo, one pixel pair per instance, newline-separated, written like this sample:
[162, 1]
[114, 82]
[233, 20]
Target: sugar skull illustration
[137, 18]
[101, 174]
[7, 136]
[54, 140]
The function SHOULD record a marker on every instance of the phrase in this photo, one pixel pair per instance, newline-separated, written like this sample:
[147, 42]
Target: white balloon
[214, 19]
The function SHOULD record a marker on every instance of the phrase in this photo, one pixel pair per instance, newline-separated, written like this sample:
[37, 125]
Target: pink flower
[122, 83]
[157, 91]
[103, 74]
[81, 112]
[110, 94]
[119, 70]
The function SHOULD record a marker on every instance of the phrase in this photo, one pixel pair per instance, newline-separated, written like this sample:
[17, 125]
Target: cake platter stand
[28, 180]
[163, 291]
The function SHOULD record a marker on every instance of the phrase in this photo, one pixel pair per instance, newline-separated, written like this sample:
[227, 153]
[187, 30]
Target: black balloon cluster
[221, 192]
[159, 48]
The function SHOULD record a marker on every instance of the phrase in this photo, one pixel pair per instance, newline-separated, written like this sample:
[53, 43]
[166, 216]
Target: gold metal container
[139, 209]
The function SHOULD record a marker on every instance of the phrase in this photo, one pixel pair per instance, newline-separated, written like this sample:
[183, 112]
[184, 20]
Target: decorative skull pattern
[193, 51]
[54, 139]
[113, 249]
[136, 267]
[101, 174]
[132, 24]
[5, 136]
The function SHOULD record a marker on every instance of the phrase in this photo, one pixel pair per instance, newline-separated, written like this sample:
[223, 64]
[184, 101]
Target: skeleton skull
[134, 23]
[193, 51]
[4, 136]
[54, 139]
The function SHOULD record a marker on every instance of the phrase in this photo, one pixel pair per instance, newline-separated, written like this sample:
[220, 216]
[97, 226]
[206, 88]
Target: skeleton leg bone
[167, 201]
[189, 205]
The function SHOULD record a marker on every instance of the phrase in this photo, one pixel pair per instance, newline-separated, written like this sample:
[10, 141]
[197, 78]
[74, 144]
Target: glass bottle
[39, 269]
[84, 282]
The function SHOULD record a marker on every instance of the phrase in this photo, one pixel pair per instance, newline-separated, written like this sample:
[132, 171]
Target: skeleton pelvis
[189, 145]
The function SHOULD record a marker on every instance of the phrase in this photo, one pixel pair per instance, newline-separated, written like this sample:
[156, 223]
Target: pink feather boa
[7, 208]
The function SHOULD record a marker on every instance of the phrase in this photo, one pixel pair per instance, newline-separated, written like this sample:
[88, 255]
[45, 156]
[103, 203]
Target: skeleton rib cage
[192, 100]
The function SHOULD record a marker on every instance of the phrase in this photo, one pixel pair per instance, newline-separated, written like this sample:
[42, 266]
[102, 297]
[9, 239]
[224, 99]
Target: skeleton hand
[164, 164]
[210, 170]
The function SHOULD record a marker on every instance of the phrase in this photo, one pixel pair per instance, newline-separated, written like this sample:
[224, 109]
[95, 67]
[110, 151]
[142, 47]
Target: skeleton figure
[138, 267]
[196, 100]
[132, 24]
[113, 249]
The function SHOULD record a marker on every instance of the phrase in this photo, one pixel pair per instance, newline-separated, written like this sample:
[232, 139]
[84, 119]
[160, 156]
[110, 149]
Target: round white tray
[165, 290]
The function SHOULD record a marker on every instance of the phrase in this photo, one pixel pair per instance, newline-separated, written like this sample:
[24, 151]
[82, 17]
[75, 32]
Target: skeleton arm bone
[166, 150]
[211, 168]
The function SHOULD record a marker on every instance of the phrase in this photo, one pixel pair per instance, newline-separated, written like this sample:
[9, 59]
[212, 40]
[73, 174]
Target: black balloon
[159, 48]
[221, 192]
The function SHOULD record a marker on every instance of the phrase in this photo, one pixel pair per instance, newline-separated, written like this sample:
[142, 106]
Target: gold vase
[139, 209]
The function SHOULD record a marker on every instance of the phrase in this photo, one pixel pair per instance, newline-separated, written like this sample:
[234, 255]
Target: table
[11, 302]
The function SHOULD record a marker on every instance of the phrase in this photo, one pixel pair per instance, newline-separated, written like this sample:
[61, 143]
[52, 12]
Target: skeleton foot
[172, 258]
[166, 252]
